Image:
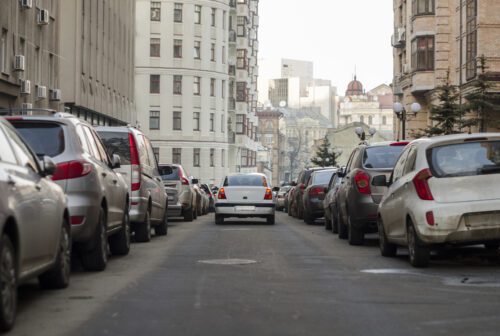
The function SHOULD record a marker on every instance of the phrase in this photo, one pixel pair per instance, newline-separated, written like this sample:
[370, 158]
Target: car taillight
[71, 170]
[184, 181]
[135, 163]
[76, 220]
[362, 181]
[302, 186]
[422, 186]
[269, 194]
[316, 191]
[221, 194]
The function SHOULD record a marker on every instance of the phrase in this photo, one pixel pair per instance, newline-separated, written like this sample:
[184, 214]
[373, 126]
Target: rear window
[165, 170]
[44, 138]
[245, 181]
[322, 177]
[381, 157]
[466, 159]
[117, 143]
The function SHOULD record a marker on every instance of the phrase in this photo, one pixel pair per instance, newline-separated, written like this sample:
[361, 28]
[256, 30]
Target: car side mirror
[380, 181]
[48, 166]
[194, 181]
[116, 161]
[276, 189]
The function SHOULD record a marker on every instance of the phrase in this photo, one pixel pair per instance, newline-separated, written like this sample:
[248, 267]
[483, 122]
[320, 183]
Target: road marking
[228, 261]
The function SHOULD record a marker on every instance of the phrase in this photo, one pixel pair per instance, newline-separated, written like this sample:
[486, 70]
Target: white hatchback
[245, 195]
[443, 190]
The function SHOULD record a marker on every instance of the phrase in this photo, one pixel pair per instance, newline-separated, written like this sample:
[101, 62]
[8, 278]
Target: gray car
[330, 203]
[34, 223]
[148, 199]
[174, 176]
[98, 198]
[314, 194]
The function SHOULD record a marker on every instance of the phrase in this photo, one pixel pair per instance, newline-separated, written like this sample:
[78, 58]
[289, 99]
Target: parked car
[148, 199]
[98, 198]
[314, 194]
[173, 201]
[201, 199]
[245, 195]
[330, 202]
[443, 190]
[211, 198]
[35, 227]
[289, 200]
[299, 191]
[174, 176]
[358, 199]
[280, 197]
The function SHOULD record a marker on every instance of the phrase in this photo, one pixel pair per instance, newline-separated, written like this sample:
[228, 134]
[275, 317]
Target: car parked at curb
[330, 202]
[299, 191]
[314, 194]
[290, 200]
[174, 176]
[211, 197]
[280, 197]
[443, 190]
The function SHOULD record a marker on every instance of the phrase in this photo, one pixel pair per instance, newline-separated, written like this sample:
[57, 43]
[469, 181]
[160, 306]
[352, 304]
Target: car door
[347, 185]
[327, 203]
[158, 195]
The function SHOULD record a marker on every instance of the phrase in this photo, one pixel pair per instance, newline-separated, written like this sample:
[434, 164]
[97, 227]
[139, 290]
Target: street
[294, 279]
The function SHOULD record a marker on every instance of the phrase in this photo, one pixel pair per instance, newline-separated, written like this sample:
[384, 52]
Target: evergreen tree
[324, 156]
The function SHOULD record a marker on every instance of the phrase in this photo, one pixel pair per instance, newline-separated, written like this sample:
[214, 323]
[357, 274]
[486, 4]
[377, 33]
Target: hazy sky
[336, 35]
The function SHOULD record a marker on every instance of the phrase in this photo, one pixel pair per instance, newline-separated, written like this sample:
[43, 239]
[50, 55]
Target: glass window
[423, 53]
[6, 153]
[212, 87]
[239, 123]
[176, 155]
[155, 11]
[197, 14]
[156, 152]
[471, 39]
[44, 138]
[212, 157]
[197, 50]
[196, 157]
[154, 120]
[177, 48]
[21, 150]
[223, 89]
[241, 92]
[212, 52]
[173, 170]
[177, 12]
[196, 86]
[92, 145]
[423, 7]
[154, 84]
[117, 143]
[222, 157]
[196, 121]
[241, 58]
[380, 157]
[249, 180]
[154, 47]
[143, 151]
[322, 177]
[177, 122]
[100, 147]
[212, 122]
[241, 26]
[213, 16]
[177, 84]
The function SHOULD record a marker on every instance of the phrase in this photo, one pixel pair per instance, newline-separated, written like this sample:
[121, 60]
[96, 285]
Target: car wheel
[188, 215]
[119, 243]
[419, 253]
[143, 230]
[8, 284]
[308, 218]
[328, 223]
[343, 233]
[334, 223]
[289, 211]
[271, 220]
[356, 236]
[386, 249]
[219, 219]
[58, 276]
[300, 212]
[162, 228]
[96, 258]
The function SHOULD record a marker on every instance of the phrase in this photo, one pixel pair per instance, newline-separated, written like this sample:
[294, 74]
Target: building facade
[30, 54]
[435, 37]
[270, 136]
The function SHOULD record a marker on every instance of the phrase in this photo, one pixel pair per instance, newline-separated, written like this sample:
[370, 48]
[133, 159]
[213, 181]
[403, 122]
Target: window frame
[154, 115]
[177, 85]
[177, 121]
[155, 48]
[155, 11]
[177, 48]
[177, 12]
[427, 51]
[154, 81]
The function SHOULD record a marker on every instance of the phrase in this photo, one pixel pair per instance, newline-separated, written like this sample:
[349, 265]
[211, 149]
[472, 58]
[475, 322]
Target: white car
[245, 195]
[443, 190]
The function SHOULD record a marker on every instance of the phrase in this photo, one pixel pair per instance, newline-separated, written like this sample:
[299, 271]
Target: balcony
[422, 82]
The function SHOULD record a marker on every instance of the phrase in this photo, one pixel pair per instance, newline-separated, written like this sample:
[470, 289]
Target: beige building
[29, 54]
[97, 60]
[432, 37]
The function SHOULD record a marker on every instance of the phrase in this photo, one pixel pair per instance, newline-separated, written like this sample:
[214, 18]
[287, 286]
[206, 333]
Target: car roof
[456, 137]
[59, 117]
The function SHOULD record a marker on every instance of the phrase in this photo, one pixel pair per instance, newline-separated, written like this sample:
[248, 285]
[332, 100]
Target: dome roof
[355, 88]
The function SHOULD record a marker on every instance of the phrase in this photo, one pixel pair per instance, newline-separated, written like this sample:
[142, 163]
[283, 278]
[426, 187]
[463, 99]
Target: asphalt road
[295, 280]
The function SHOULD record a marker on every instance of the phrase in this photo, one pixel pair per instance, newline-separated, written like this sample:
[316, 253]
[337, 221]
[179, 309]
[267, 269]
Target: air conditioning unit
[19, 63]
[41, 92]
[26, 3]
[55, 94]
[25, 86]
[401, 35]
[43, 17]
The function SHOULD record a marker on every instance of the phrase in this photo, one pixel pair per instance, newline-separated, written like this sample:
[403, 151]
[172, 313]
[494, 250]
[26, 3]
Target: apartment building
[97, 60]
[29, 54]
[434, 37]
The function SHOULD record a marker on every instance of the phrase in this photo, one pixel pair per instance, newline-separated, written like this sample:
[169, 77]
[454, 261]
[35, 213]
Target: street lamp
[401, 113]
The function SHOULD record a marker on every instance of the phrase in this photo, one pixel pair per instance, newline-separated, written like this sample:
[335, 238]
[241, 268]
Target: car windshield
[245, 181]
[169, 173]
[465, 159]
[322, 177]
[44, 138]
[381, 157]
[117, 143]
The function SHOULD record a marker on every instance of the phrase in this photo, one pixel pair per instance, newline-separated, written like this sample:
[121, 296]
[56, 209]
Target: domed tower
[355, 88]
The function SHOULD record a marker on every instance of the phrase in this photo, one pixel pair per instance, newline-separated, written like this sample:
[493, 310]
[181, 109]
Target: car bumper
[86, 206]
[364, 212]
[315, 208]
[138, 209]
[241, 210]
[174, 210]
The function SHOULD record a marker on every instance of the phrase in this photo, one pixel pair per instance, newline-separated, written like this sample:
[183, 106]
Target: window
[156, 152]
[241, 92]
[155, 11]
[471, 39]
[177, 84]
[3, 51]
[212, 16]
[241, 26]
[154, 120]
[212, 87]
[6, 153]
[212, 52]
[222, 157]
[196, 157]
[241, 59]
[244, 158]
[177, 12]
[423, 7]
[154, 83]
[177, 122]
[197, 50]
[422, 53]
[240, 121]
[212, 157]
[224, 19]
[176, 155]
[223, 55]
[222, 124]
[212, 122]
[223, 90]
[177, 48]
[196, 86]
[197, 14]
[196, 121]
[154, 47]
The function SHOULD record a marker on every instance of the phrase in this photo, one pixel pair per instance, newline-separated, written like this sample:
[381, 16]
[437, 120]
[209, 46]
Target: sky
[337, 35]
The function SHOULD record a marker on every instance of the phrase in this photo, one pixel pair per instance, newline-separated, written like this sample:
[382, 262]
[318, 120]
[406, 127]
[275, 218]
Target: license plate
[483, 219]
[244, 208]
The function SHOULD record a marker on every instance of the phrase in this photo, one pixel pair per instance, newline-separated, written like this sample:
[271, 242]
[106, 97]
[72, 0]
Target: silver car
[443, 190]
[174, 176]
[148, 199]
[34, 223]
[98, 198]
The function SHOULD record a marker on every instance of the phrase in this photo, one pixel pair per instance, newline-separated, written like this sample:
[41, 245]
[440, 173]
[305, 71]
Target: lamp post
[402, 115]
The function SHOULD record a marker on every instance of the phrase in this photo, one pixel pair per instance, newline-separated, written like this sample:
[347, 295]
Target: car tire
[119, 243]
[188, 215]
[271, 220]
[8, 282]
[328, 223]
[334, 223]
[143, 230]
[343, 232]
[308, 219]
[386, 249]
[356, 236]
[419, 253]
[289, 211]
[162, 228]
[96, 258]
[58, 276]
[300, 212]
[219, 219]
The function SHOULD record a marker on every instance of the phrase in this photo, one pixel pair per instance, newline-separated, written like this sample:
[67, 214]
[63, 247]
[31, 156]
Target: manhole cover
[228, 261]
